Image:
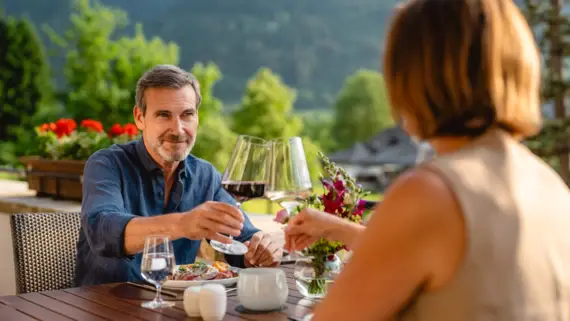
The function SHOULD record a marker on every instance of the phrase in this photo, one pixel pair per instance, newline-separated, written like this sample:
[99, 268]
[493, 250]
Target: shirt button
[161, 194]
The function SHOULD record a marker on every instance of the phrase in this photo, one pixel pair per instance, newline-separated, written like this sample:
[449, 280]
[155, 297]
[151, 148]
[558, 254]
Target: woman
[482, 231]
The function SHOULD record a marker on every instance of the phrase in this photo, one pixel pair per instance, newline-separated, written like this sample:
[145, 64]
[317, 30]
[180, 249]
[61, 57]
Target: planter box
[59, 179]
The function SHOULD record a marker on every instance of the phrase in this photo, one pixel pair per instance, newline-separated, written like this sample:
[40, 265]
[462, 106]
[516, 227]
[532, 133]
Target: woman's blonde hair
[458, 67]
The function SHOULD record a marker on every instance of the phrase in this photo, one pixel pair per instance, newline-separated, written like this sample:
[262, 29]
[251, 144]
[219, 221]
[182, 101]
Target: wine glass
[244, 178]
[157, 264]
[289, 183]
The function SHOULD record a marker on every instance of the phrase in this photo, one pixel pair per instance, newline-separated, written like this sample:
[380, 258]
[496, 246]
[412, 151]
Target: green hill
[313, 45]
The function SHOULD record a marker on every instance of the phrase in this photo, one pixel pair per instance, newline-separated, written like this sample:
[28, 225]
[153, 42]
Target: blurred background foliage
[269, 69]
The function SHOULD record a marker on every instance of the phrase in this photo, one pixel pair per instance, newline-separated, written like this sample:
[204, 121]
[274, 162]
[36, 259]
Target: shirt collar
[150, 165]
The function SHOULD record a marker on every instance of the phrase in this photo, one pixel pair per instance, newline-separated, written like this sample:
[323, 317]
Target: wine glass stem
[158, 296]
[294, 254]
[228, 246]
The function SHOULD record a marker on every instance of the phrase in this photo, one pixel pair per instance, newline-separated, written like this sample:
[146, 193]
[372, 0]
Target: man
[154, 186]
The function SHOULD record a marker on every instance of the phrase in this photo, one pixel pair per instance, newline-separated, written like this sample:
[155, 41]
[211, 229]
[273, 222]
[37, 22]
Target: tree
[102, 72]
[317, 126]
[208, 76]
[312, 45]
[266, 112]
[215, 140]
[25, 87]
[551, 25]
[24, 75]
[266, 109]
[361, 109]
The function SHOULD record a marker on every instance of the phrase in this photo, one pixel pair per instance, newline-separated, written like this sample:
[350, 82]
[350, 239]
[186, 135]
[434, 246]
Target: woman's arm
[343, 231]
[415, 238]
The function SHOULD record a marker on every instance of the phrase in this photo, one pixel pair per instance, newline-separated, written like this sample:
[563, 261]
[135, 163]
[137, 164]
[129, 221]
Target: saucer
[241, 309]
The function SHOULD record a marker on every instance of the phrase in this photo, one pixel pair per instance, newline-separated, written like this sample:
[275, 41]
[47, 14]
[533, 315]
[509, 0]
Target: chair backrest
[44, 248]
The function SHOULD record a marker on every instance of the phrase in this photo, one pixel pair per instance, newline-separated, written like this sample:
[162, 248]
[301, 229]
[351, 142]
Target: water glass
[157, 264]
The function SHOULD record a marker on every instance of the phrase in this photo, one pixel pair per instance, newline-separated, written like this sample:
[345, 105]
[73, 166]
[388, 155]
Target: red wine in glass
[244, 178]
[245, 191]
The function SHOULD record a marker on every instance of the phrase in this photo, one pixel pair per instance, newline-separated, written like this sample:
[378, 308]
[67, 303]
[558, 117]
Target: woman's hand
[310, 225]
[302, 230]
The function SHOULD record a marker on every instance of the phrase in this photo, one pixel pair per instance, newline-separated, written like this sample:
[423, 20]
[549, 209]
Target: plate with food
[199, 273]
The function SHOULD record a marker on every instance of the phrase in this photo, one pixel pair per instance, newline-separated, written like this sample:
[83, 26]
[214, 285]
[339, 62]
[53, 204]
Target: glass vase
[314, 275]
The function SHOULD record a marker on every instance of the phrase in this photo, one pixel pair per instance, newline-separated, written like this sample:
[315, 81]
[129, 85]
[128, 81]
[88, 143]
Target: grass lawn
[9, 176]
[263, 206]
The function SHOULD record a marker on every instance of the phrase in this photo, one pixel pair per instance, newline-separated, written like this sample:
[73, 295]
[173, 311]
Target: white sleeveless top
[517, 215]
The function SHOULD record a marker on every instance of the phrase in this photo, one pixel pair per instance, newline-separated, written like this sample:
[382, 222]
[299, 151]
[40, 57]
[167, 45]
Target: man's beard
[176, 156]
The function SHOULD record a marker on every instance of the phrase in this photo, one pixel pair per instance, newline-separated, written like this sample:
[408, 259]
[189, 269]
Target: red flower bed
[63, 139]
[93, 125]
[130, 130]
[66, 126]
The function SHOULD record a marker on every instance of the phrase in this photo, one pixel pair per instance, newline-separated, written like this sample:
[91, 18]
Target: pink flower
[360, 207]
[333, 199]
[326, 184]
[281, 216]
[339, 186]
[332, 204]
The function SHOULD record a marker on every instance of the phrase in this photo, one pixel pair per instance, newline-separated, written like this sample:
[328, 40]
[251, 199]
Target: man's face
[170, 122]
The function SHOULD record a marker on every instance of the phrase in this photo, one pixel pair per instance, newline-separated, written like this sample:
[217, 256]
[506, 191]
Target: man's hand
[210, 220]
[262, 251]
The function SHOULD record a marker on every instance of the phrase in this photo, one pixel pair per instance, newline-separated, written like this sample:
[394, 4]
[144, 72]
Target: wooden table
[121, 301]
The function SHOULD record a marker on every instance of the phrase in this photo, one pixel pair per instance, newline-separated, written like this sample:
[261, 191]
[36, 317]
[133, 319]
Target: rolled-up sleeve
[248, 229]
[103, 216]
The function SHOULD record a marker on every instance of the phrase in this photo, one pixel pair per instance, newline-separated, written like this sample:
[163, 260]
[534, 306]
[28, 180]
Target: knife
[152, 288]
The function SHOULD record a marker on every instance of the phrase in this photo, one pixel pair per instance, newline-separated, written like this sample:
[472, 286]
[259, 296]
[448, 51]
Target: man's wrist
[177, 226]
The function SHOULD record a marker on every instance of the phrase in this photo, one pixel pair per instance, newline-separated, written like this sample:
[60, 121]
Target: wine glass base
[235, 248]
[296, 256]
[157, 304]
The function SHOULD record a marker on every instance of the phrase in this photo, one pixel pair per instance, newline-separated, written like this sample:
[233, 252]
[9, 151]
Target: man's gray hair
[165, 76]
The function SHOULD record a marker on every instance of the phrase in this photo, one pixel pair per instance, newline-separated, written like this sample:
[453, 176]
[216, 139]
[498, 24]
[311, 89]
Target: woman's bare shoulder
[421, 206]
[421, 192]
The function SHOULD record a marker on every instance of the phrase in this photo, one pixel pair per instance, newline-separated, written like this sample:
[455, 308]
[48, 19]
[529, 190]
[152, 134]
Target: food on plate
[200, 271]
[221, 266]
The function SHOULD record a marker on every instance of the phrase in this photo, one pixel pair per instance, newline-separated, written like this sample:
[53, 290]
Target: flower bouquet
[64, 140]
[343, 198]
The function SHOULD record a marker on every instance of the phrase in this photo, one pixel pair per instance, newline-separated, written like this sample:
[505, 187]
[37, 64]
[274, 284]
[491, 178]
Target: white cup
[262, 289]
[192, 301]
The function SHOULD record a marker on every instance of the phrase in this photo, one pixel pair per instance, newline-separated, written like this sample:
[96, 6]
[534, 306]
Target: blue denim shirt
[123, 182]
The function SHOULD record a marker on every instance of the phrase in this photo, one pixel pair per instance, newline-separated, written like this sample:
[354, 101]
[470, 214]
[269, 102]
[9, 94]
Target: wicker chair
[44, 248]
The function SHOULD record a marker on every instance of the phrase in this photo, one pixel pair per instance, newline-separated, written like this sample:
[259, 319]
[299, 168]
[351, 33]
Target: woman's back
[517, 219]
[484, 234]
